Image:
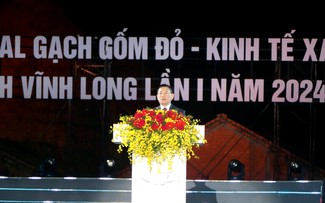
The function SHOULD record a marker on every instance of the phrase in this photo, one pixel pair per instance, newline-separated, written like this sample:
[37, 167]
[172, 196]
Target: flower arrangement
[158, 135]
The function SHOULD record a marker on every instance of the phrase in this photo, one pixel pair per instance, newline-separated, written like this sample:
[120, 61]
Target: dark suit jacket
[172, 106]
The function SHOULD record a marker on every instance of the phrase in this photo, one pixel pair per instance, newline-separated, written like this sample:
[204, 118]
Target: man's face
[164, 96]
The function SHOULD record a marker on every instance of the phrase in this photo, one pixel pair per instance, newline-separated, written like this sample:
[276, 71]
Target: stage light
[295, 171]
[236, 170]
[48, 168]
[107, 168]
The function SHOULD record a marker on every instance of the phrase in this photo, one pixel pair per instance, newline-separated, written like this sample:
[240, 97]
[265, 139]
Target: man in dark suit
[165, 96]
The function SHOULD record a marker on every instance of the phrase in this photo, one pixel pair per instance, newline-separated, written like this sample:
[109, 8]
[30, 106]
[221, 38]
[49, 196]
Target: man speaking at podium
[165, 96]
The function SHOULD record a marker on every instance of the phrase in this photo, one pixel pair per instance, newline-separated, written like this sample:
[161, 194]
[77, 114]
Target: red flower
[159, 118]
[150, 112]
[139, 123]
[168, 126]
[155, 126]
[172, 114]
[138, 114]
[180, 125]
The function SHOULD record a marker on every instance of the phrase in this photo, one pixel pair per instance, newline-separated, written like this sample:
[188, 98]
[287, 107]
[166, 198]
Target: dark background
[297, 127]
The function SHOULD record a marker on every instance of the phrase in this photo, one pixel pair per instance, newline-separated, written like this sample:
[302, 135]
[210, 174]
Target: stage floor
[118, 190]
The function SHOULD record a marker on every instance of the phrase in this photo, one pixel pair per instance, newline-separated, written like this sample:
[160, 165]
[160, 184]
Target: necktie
[165, 109]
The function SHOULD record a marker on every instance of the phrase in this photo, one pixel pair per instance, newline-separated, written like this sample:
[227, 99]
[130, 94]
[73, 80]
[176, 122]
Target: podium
[161, 184]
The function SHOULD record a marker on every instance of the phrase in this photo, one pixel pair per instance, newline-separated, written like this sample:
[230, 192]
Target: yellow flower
[158, 135]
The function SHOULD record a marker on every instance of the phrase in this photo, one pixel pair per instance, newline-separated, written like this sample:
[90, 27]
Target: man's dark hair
[165, 85]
